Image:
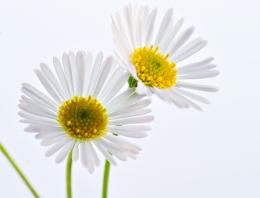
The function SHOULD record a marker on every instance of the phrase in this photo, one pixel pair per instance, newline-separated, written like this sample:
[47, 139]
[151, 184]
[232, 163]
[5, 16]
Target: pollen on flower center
[153, 68]
[83, 118]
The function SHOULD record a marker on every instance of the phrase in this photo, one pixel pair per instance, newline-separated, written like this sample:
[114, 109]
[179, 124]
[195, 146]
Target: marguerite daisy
[153, 55]
[86, 110]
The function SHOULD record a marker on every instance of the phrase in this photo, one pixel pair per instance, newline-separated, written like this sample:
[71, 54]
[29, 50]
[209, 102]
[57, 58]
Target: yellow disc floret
[83, 118]
[153, 68]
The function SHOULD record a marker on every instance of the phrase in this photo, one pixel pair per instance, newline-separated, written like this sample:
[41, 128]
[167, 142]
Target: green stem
[18, 170]
[106, 179]
[68, 175]
[132, 83]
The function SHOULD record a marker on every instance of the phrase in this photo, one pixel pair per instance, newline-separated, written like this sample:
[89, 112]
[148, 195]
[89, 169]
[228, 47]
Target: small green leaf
[132, 82]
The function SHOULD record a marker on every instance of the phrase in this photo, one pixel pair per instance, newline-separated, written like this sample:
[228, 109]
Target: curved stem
[106, 179]
[18, 170]
[68, 175]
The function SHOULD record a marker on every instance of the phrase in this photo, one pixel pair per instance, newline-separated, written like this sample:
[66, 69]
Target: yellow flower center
[83, 118]
[153, 68]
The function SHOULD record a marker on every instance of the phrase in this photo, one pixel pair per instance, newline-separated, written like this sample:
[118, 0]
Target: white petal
[162, 94]
[121, 97]
[116, 87]
[141, 89]
[150, 29]
[166, 41]
[36, 95]
[49, 134]
[62, 79]
[137, 25]
[196, 69]
[143, 24]
[37, 128]
[138, 112]
[192, 96]
[113, 149]
[75, 152]
[89, 156]
[197, 86]
[106, 68]
[43, 125]
[95, 73]
[140, 18]
[91, 165]
[38, 104]
[120, 40]
[129, 24]
[68, 72]
[84, 155]
[130, 128]
[106, 154]
[120, 155]
[48, 75]
[178, 101]
[123, 144]
[95, 157]
[74, 72]
[53, 140]
[188, 47]
[130, 107]
[109, 145]
[200, 75]
[132, 134]
[189, 51]
[132, 120]
[81, 72]
[63, 153]
[187, 101]
[88, 63]
[165, 22]
[195, 65]
[111, 82]
[122, 34]
[40, 123]
[57, 146]
[124, 103]
[37, 110]
[179, 41]
[131, 69]
[48, 86]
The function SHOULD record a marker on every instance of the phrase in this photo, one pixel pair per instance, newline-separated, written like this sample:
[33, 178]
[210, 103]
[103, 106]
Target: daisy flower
[85, 110]
[153, 55]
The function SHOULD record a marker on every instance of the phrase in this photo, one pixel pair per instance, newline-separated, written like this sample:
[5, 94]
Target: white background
[188, 154]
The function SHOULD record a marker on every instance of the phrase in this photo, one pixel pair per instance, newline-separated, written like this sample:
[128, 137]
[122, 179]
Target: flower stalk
[68, 175]
[18, 171]
[106, 179]
[132, 84]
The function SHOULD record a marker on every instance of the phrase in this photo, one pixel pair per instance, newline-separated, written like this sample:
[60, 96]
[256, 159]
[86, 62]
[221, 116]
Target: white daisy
[153, 55]
[86, 110]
